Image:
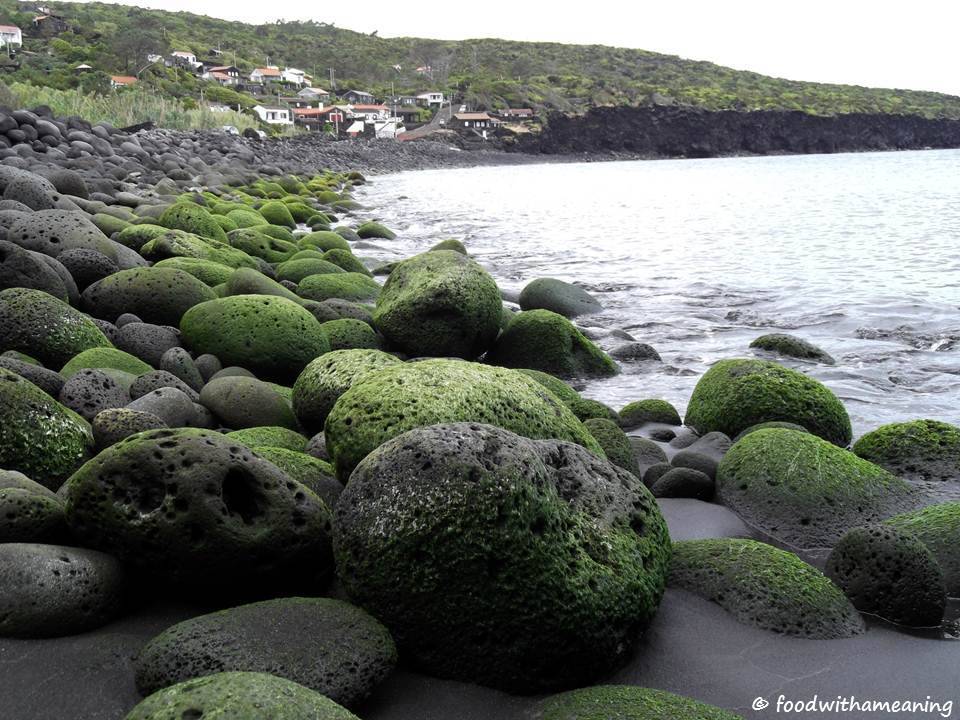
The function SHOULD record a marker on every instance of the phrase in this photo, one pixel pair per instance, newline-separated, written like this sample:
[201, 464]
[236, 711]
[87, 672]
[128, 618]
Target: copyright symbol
[760, 704]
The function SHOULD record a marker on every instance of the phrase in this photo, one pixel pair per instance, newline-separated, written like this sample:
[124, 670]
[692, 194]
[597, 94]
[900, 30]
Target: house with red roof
[119, 81]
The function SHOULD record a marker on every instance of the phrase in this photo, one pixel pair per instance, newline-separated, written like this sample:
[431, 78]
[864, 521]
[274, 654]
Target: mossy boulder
[764, 586]
[345, 286]
[154, 294]
[193, 508]
[246, 217]
[440, 304]
[346, 260]
[39, 437]
[208, 272]
[256, 243]
[29, 512]
[791, 346]
[104, 358]
[244, 402]
[325, 379]
[392, 400]
[277, 213]
[109, 224]
[375, 230]
[938, 528]
[271, 336]
[641, 412]
[583, 408]
[176, 243]
[626, 702]
[804, 491]
[296, 270]
[192, 218]
[915, 450]
[40, 325]
[544, 340]
[451, 244]
[247, 281]
[615, 444]
[767, 425]
[311, 472]
[889, 572]
[559, 296]
[524, 565]
[238, 696]
[324, 240]
[271, 435]
[349, 334]
[326, 645]
[136, 236]
[735, 394]
[277, 231]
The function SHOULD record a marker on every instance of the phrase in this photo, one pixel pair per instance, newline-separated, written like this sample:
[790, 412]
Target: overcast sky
[907, 44]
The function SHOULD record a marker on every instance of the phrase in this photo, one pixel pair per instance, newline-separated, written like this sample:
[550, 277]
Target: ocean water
[858, 253]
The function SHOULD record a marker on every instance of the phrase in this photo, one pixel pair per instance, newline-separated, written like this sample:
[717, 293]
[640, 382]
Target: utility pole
[333, 80]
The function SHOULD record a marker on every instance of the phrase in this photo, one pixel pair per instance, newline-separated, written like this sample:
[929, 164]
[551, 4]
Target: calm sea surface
[858, 253]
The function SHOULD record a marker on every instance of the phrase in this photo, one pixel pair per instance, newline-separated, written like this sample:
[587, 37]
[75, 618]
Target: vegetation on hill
[486, 73]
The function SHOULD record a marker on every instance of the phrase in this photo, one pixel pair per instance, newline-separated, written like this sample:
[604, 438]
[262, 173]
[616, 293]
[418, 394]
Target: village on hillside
[287, 99]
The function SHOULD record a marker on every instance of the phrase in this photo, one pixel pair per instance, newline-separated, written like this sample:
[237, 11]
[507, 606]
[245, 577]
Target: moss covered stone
[325, 379]
[296, 270]
[938, 528]
[105, 358]
[764, 586]
[247, 281]
[159, 295]
[136, 236]
[791, 346]
[208, 272]
[345, 286]
[311, 472]
[639, 413]
[559, 296]
[323, 240]
[239, 696]
[177, 243]
[277, 213]
[244, 402]
[348, 334]
[735, 394]
[257, 243]
[40, 325]
[583, 408]
[375, 230]
[109, 224]
[440, 304]
[768, 425]
[915, 450]
[192, 218]
[39, 437]
[326, 645]
[451, 244]
[271, 336]
[626, 702]
[392, 400]
[273, 436]
[889, 572]
[195, 509]
[544, 340]
[804, 491]
[246, 217]
[346, 260]
[524, 565]
[615, 444]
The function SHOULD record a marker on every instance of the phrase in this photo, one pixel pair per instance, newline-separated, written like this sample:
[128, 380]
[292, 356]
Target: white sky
[906, 44]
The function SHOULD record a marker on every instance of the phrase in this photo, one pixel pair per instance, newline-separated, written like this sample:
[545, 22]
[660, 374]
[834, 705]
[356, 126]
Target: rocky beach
[247, 470]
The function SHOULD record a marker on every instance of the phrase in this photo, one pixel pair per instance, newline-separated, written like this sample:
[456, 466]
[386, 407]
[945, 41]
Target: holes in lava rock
[242, 496]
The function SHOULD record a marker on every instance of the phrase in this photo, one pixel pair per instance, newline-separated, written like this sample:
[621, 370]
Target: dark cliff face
[691, 132]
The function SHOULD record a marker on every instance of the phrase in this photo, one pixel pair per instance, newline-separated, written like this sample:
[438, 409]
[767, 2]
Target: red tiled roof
[361, 108]
[9, 28]
[313, 112]
[123, 79]
[268, 71]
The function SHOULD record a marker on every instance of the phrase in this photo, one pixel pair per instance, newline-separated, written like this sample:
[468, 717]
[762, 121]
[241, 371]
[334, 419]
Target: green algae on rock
[440, 304]
[296, 270]
[105, 358]
[177, 243]
[136, 236]
[268, 335]
[247, 281]
[805, 491]
[375, 230]
[764, 586]
[277, 213]
[735, 394]
[238, 696]
[192, 218]
[154, 294]
[245, 402]
[583, 408]
[346, 260]
[206, 271]
[348, 334]
[323, 240]
[196, 509]
[39, 437]
[791, 346]
[257, 243]
[768, 425]
[519, 564]
[273, 436]
[345, 286]
[326, 645]
[543, 340]
[938, 528]
[626, 702]
[639, 413]
[889, 572]
[392, 400]
[915, 450]
[36, 323]
[311, 472]
[325, 379]
[615, 444]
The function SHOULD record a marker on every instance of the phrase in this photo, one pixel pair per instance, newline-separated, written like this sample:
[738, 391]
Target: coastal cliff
[675, 131]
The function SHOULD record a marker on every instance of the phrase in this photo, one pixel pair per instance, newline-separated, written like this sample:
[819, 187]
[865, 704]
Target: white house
[314, 93]
[10, 35]
[265, 74]
[367, 113]
[187, 58]
[293, 76]
[431, 98]
[274, 115]
[389, 128]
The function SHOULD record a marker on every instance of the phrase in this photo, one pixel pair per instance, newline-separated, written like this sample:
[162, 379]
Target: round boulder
[915, 450]
[89, 392]
[112, 426]
[242, 402]
[155, 295]
[559, 296]
[20, 268]
[791, 346]
[626, 702]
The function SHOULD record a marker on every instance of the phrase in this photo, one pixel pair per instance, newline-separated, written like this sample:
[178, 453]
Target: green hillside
[484, 73]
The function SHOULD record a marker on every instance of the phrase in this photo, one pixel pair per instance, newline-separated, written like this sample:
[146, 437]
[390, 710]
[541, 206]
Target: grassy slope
[487, 73]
